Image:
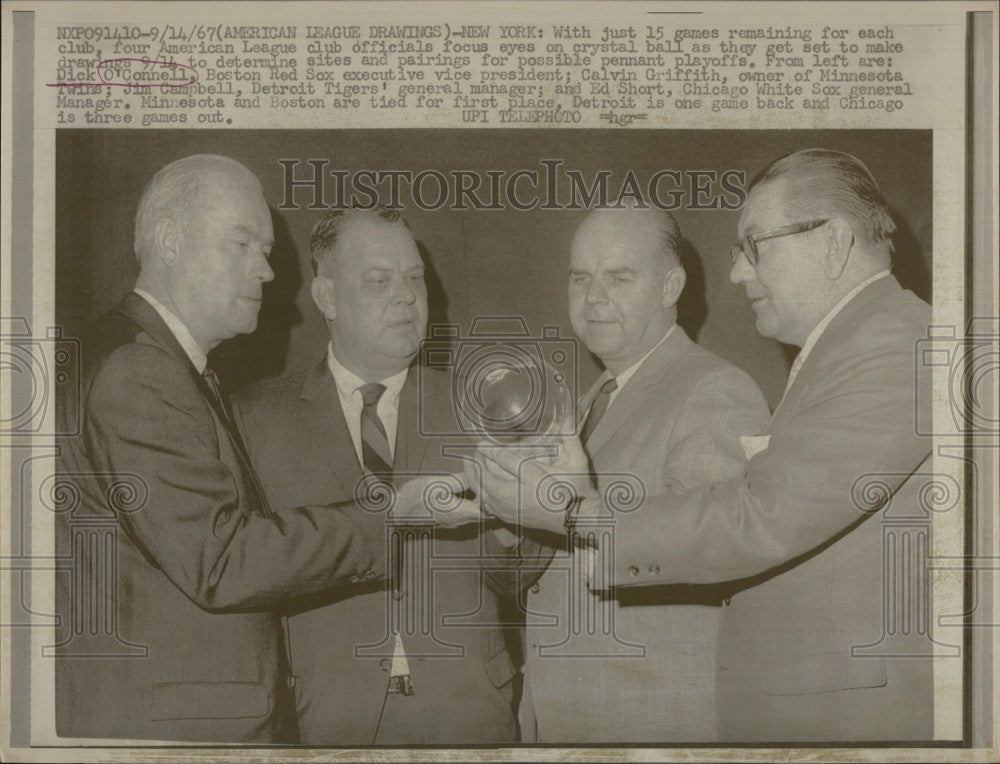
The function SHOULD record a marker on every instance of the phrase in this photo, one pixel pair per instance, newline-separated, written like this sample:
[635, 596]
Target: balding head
[640, 226]
[203, 235]
[175, 192]
[625, 280]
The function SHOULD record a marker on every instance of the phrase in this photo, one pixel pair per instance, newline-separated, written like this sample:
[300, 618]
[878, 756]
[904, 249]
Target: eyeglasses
[748, 244]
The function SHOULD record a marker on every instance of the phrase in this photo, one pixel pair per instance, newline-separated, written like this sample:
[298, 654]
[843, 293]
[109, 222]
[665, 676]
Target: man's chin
[245, 326]
[602, 349]
[404, 352]
[767, 329]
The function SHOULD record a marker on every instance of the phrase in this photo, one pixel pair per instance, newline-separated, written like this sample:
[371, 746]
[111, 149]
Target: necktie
[377, 459]
[222, 408]
[597, 409]
[220, 400]
[376, 456]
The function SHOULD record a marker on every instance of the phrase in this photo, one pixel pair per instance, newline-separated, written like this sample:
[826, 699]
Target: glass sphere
[507, 393]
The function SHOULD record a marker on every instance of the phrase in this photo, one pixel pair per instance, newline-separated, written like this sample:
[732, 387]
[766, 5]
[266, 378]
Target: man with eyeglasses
[799, 646]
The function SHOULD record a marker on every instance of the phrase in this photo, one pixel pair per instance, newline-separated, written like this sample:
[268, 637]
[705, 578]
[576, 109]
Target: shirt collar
[623, 378]
[818, 330]
[348, 383]
[178, 329]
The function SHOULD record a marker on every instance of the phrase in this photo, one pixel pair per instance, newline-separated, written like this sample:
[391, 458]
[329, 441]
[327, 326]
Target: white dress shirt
[352, 402]
[626, 375]
[178, 329]
[818, 330]
[349, 387]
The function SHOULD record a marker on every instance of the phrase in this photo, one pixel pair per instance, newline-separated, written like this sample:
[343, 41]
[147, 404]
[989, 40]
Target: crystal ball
[510, 392]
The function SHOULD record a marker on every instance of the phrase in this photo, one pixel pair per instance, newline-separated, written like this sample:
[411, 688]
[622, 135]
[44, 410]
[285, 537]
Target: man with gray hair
[801, 648]
[667, 415]
[183, 643]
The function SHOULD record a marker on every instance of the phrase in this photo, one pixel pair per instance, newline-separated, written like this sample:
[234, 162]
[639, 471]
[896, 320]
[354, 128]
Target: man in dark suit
[799, 656]
[422, 659]
[145, 650]
[671, 415]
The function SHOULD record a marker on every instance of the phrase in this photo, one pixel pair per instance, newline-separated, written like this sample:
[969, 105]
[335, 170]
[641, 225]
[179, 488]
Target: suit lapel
[587, 400]
[146, 316]
[632, 397]
[858, 309]
[324, 417]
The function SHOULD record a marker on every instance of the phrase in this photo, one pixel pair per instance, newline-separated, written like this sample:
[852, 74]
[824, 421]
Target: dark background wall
[482, 262]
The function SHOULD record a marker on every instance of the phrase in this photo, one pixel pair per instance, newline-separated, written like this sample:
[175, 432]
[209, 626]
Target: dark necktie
[377, 458]
[597, 409]
[376, 455]
[220, 400]
[222, 408]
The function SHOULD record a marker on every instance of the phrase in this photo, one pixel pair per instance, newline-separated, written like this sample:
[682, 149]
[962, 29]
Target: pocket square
[754, 444]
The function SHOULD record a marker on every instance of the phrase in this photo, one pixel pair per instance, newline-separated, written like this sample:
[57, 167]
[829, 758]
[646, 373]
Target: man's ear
[839, 243]
[168, 239]
[322, 294]
[673, 284]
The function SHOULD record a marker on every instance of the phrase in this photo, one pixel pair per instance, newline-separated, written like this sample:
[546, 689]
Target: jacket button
[654, 569]
[291, 681]
[535, 588]
[354, 579]
[385, 664]
[633, 571]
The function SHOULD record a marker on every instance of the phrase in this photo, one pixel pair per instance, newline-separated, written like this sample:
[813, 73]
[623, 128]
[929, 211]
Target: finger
[464, 512]
[460, 480]
[472, 470]
[568, 424]
[508, 459]
[498, 493]
[497, 471]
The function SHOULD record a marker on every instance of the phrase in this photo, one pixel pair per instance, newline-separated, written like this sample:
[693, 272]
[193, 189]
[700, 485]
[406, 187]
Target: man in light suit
[669, 416]
[799, 656]
[167, 627]
[361, 675]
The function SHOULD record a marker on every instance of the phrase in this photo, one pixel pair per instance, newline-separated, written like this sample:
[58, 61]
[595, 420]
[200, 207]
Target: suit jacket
[166, 629]
[640, 666]
[802, 531]
[340, 645]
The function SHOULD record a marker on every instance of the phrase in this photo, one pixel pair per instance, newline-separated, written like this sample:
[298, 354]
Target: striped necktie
[376, 456]
[597, 409]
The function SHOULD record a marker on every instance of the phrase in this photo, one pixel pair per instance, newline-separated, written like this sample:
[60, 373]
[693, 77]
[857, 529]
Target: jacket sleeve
[704, 447]
[145, 415]
[800, 493]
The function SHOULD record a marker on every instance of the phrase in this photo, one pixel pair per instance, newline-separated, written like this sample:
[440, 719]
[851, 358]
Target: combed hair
[840, 185]
[175, 191]
[662, 223]
[329, 228]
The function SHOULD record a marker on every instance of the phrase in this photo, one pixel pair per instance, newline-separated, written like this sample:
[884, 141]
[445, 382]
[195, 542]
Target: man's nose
[404, 291]
[596, 292]
[742, 271]
[264, 272]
